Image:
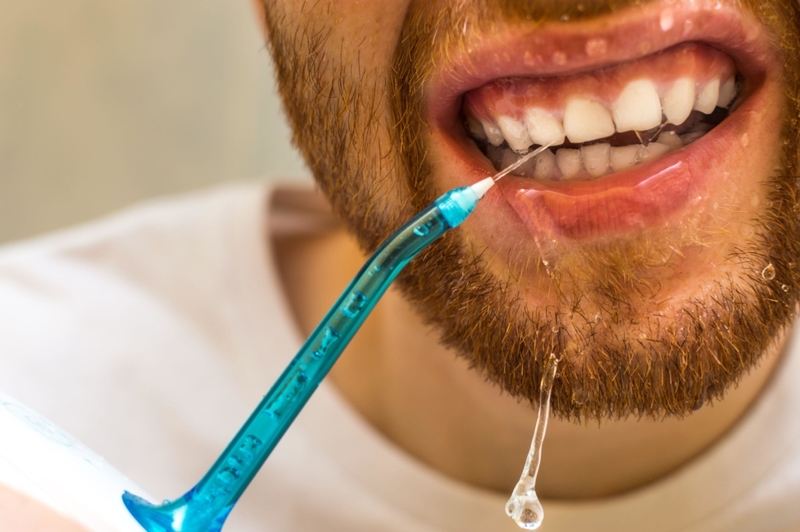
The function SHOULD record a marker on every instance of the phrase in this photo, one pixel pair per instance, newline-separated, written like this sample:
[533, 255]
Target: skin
[417, 388]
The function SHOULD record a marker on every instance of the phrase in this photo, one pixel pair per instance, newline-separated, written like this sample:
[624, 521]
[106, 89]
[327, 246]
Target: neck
[428, 402]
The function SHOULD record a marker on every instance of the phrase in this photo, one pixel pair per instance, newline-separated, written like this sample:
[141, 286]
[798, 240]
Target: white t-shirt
[151, 335]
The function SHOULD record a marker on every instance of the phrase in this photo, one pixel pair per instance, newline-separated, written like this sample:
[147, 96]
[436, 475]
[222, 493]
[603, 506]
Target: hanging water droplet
[768, 273]
[524, 506]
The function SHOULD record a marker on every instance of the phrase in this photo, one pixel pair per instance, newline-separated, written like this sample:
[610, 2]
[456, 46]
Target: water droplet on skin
[560, 58]
[667, 20]
[784, 288]
[744, 140]
[768, 273]
[643, 336]
[555, 329]
[571, 314]
[596, 47]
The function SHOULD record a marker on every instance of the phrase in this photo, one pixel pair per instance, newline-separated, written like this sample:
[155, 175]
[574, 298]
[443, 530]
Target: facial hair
[362, 133]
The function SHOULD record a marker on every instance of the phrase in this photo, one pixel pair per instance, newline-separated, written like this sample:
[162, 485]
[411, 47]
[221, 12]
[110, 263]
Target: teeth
[586, 120]
[652, 150]
[638, 107]
[671, 139]
[545, 165]
[727, 91]
[493, 133]
[679, 100]
[624, 157]
[476, 128]
[569, 162]
[707, 98]
[515, 132]
[596, 158]
[543, 127]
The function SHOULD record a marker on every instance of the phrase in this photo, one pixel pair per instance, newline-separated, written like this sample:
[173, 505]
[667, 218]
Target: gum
[511, 96]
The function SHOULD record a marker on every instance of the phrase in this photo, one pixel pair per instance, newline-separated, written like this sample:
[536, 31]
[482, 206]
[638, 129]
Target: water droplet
[784, 288]
[571, 314]
[524, 506]
[554, 329]
[667, 20]
[526, 511]
[422, 230]
[643, 336]
[596, 47]
[768, 273]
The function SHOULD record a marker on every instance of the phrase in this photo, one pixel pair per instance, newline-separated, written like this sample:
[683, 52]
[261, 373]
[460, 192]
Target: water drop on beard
[768, 273]
[524, 506]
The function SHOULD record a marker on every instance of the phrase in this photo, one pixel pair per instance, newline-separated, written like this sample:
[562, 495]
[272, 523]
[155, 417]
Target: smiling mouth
[644, 114]
[603, 121]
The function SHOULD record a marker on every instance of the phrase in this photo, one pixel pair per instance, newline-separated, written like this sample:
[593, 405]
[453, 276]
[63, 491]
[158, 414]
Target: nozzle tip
[482, 187]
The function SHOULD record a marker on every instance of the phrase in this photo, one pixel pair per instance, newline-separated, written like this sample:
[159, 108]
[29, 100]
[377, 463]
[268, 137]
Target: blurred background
[105, 103]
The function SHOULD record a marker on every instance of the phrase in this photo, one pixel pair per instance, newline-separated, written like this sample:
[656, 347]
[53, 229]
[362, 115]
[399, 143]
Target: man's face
[652, 247]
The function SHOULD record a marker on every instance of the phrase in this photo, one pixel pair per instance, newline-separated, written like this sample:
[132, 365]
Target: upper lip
[557, 49]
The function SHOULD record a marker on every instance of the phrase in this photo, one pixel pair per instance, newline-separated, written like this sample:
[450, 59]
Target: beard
[625, 348]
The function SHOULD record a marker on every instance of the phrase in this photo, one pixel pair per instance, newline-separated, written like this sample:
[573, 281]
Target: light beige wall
[106, 102]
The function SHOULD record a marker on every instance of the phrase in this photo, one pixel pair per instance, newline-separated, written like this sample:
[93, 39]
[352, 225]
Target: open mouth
[647, 116]
[604, 121]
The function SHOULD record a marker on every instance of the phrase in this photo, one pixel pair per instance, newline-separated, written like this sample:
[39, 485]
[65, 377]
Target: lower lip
[630, 200]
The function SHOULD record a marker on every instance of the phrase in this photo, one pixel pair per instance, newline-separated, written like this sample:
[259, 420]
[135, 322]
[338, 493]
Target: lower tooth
[624, 157]
[652, 150]
[545, 165]
[671, 139]
[596, 158]
[569, 162]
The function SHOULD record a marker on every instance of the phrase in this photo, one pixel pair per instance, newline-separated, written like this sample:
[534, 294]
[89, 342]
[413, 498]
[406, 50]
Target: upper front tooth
[678, 102]
[726, 93]
[543, 127]
[586, 120]
[493, 133]
[707, 98]
[515, 133]
[638, 107]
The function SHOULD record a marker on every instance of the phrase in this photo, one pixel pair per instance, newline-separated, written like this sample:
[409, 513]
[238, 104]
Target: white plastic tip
[482, 187]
